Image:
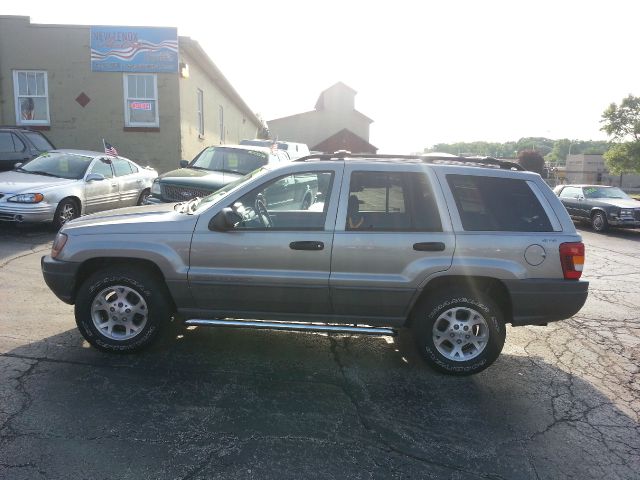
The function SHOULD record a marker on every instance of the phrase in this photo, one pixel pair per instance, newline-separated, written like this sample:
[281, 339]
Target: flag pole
[104, 146]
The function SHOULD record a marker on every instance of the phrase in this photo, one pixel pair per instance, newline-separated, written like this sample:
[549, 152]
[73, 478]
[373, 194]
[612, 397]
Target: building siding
[237, 125]
[63, 51]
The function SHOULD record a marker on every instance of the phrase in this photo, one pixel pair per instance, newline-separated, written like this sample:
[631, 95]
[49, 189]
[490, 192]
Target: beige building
[591, 169]
[154, 118]
[333, 125]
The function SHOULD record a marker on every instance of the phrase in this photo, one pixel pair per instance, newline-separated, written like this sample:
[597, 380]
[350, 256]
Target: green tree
[531, 160]
[622, 123]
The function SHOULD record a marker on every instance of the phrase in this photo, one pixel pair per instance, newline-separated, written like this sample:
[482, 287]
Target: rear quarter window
[497, 204]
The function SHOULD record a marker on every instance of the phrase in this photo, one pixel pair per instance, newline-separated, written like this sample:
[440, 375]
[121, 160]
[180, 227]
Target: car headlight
[626, 212]
[155, 187]
[58, 244]
[26, 198]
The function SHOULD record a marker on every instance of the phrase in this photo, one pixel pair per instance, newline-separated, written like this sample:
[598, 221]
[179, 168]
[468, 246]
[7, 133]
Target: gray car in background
[61, 185]
[21, 144]
[600, 205]
[213, 168]
[452, 248]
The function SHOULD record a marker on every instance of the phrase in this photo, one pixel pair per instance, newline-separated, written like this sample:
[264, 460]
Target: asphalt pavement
[562, 401]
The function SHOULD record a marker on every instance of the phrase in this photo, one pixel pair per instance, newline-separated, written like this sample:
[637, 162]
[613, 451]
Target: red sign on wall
[140, 106]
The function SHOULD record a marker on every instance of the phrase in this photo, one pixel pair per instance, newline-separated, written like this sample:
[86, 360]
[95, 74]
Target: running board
[292, 326]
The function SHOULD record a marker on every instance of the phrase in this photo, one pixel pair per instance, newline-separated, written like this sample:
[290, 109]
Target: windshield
[62, 165]
[229, 160]
[218, 195]
[39, 141]
[606, 192]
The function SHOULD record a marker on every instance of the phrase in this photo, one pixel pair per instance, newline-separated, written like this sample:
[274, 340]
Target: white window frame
[127, 120]
[200, 108]
[16, 96]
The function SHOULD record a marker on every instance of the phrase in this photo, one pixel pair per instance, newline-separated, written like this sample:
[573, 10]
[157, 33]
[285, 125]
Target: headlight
[155, 187]
[626, 212]
[58, 244]
[27, 198]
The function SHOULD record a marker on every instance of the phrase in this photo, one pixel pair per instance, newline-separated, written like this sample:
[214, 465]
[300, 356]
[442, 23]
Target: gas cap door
[535, 255]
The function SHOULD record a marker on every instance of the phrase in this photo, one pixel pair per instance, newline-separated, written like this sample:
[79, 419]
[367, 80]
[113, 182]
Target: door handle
[429, 246]
[306, 245]
[114, 184]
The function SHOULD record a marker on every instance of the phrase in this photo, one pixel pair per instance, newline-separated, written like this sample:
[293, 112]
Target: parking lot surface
[562, 401]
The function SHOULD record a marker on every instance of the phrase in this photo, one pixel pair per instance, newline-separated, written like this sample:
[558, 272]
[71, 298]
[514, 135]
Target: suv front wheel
[458, 331]
[119, 309]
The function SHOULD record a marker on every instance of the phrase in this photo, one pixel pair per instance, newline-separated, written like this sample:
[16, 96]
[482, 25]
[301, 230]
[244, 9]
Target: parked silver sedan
[60, 185]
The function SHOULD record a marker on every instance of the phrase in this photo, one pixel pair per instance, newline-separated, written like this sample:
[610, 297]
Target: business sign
[134, 49]
[140, 106]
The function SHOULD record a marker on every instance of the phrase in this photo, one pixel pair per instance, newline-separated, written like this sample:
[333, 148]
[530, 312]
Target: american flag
[109, 149]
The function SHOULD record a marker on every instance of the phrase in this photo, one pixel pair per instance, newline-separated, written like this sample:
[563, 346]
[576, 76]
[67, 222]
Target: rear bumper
[539, 301]
[60, 277]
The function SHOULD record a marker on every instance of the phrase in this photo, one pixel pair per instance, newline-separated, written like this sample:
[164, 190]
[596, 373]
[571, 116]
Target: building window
[221, 124]
[200, 112]
[140, 100]
[31, 97]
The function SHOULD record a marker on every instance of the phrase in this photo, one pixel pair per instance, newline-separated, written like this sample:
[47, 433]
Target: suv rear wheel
[119, 309]
[458, 331]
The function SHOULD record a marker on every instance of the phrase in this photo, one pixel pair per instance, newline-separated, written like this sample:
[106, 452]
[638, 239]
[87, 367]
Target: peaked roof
[345, 139]
[320, 102]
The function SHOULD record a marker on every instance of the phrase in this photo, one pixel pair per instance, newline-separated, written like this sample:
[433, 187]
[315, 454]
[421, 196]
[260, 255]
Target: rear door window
[39, 141]
[570, 192]
[497, 204]
[389, 201]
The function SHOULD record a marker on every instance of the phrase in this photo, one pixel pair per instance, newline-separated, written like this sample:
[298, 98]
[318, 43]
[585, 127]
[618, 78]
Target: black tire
[599, 222]
[67, 210]
[141, 283]
[143, 196]
[434, 309]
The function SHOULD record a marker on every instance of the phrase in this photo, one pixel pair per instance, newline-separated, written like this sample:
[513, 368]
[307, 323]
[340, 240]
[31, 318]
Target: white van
[295, 150]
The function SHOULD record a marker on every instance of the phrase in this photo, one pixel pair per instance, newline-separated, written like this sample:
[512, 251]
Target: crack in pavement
[378, 440]
[32, 252]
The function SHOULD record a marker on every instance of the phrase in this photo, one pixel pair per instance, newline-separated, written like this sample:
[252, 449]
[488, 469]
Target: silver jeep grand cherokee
[451, 247]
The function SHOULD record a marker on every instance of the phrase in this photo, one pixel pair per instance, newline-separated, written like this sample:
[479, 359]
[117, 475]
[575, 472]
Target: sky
[425, 71]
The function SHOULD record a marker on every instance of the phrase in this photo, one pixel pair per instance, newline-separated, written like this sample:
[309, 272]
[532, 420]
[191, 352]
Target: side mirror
[95, 177]
[580, 197]
[225, 220]
[184, 163]
[17, 165]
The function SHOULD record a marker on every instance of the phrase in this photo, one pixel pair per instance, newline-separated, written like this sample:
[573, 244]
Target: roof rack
[433, 158]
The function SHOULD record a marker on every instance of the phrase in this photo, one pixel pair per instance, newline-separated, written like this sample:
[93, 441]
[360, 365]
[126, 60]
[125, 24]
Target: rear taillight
[572, 259]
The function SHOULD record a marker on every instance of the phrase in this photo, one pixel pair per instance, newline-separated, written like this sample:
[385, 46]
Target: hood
[156, 219]
[193, 177]
[18, 182]
[617, 202]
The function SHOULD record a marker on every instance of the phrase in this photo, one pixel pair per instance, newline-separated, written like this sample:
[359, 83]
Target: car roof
[245, 147]
[86, 153]
[429, 158]
[583, 185]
